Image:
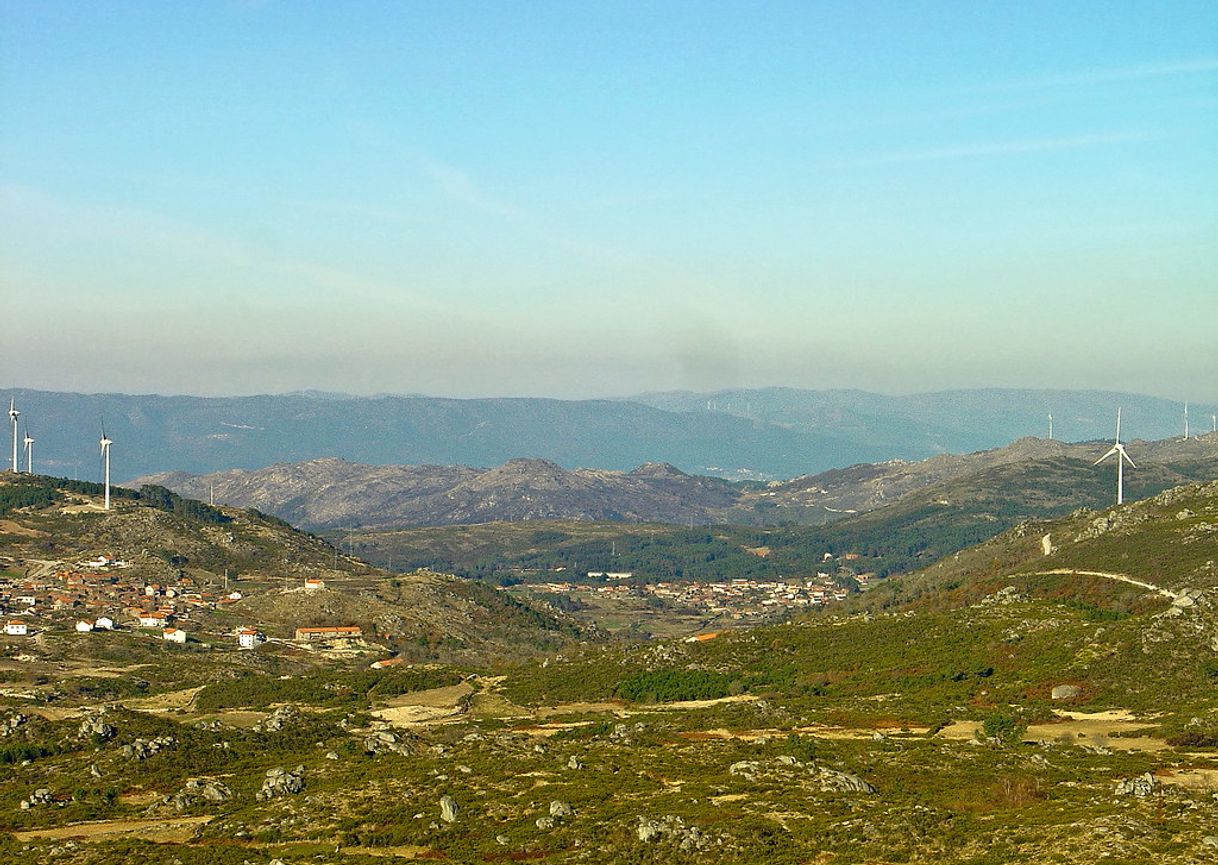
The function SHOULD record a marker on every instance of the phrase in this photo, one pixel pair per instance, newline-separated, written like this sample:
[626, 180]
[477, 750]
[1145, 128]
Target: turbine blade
[1126, 456]
[1111, 451]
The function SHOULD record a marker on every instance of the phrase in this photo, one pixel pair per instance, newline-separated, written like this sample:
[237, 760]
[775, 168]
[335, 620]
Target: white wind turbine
[13, 414]
[28, 441]
[1122, 457]
[1186, 421]
[1050, 426]
[105, 452]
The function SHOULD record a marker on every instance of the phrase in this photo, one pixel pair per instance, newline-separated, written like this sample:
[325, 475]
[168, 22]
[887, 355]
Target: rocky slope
[1031, 477]
[328, 493]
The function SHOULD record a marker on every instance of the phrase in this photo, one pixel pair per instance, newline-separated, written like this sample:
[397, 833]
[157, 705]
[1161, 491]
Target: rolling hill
[755, 434]
[48, 526]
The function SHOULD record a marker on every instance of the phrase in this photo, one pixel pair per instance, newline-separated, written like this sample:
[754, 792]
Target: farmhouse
[173, 635]
[15, 628]
[249, 638]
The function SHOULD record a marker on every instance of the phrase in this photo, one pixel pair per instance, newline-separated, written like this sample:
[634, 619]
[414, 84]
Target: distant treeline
[40, 491]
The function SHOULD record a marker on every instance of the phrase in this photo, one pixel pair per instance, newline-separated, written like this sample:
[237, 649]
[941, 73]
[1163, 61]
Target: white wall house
[173, 635]
[84, 626]
[104, 623]
[248, 638]
[16, 629]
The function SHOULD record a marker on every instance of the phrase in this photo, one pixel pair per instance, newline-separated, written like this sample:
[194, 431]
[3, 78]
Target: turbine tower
[105, 452]
[1050, 426]
[28, 441]
[1122, 457]
[1186, 421]
[13, 414]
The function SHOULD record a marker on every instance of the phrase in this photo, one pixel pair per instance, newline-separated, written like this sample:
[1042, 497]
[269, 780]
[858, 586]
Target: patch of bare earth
[177, 830]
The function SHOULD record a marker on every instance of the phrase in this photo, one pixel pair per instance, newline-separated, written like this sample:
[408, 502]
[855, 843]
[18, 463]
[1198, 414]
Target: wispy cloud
[1137, 72]
[461, 188]
[1003, 148]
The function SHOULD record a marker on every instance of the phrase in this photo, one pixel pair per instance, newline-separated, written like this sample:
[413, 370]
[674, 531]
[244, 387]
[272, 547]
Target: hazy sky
[592, 198]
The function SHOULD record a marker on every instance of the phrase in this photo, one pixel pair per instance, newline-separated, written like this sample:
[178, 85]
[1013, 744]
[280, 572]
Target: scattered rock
[671, 828]
[1141, 786]
[10, 724]
[386, 742]
[561, 810]
[545, 824]
[448, 809]
[1002, 597]
[142, 749]
[281, 782]
[277, 720]
[1065, 692]
[574, 763]
[41, 796]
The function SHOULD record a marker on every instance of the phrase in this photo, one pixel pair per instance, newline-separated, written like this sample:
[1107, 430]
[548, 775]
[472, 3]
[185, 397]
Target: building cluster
[98, 596]
[732, 599]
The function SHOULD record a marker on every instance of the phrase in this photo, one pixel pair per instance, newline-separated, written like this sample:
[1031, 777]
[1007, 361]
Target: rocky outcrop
[1140, 786]
[39, 797]
[278, 719]
[448, 809]
[388, 742]
[142, 749]
[843, 782]
[198, 791]
[282, 782]
[671, 829]
[96, 727]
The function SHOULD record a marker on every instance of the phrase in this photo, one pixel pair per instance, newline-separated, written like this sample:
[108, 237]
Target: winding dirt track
[1124, 578]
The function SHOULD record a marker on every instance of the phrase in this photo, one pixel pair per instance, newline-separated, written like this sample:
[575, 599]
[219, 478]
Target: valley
[1043, 696]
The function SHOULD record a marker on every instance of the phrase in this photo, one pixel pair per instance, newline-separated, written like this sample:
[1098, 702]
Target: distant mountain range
[1032, 477]
[741, 434]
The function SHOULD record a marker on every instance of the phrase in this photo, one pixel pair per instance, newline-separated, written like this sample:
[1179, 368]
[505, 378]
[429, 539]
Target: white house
[104, 623]
[249, 638]
[28, 600]
[15, 628]
[314, 584]
[84, 626]
[173, 635]
[152, 620]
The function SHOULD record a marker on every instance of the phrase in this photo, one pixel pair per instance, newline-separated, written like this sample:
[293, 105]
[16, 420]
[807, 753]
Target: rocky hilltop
[330, 492]
[1031, 477]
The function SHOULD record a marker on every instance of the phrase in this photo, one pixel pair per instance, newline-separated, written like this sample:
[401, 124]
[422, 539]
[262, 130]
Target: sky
[580, 199]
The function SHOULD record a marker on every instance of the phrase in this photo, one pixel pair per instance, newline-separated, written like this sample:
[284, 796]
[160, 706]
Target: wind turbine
[1050, 426]
[105, 452]
[28, 441]
[13, 414]
[1122, 457]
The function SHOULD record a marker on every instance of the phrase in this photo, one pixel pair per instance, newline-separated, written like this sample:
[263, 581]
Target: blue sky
[587, 199]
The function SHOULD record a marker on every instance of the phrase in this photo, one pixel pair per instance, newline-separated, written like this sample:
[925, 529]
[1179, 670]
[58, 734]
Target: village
[737, 600]
[99, 595]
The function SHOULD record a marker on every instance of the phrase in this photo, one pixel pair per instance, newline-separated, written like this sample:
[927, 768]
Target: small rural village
[101, 594]
[97, 595]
